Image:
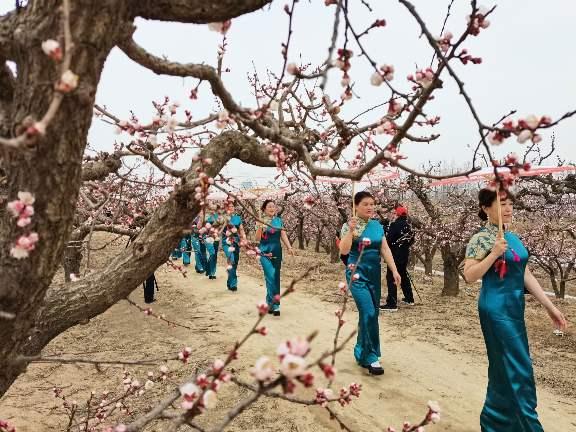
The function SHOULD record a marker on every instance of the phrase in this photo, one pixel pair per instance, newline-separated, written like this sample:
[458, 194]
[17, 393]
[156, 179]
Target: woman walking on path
[232, 236]
[363, 236]
[271, 234]
[500, 260]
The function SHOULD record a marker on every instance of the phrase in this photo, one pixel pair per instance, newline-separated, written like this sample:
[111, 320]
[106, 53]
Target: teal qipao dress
[366, 289]
[212, 246]
[271, 260]
[231, 248]
[510, 404]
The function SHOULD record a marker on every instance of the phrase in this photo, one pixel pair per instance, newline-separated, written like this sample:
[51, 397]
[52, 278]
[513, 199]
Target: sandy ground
[433, 350]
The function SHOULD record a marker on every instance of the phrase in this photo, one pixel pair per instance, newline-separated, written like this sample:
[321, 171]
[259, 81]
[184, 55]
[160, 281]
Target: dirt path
[415, 371]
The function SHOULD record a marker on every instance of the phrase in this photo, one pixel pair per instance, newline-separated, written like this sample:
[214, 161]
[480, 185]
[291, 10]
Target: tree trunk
[451, 276]
[334, 253]
[300, 233]
[51, 170]
[318, 240]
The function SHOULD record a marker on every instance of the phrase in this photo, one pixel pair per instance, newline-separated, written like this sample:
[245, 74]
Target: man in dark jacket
[399, 237]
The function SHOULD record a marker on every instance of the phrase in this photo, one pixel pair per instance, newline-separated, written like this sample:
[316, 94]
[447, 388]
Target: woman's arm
[534, 288]
[242, 233]
[386, 253]
[284, 238]
[259, 231]
[475, 269]
[346, 242]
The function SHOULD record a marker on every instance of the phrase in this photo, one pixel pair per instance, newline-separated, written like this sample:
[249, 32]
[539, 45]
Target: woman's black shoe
[233, 288]
[212, 277]
[270, 311]
[276, 313]
[378, 370]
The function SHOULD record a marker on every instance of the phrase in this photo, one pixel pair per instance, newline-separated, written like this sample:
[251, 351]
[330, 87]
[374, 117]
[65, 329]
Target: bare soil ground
[433, 350]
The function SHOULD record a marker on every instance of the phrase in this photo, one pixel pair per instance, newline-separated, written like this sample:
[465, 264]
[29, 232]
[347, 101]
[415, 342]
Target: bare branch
[195, 11]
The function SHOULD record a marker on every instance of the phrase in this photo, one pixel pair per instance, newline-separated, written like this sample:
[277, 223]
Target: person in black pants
[400, 237]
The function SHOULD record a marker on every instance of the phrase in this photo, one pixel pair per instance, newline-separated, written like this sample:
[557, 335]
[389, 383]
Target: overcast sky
[528, 65]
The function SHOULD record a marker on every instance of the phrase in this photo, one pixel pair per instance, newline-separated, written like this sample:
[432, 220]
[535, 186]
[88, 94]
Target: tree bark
[451, 276]
[300, 233]
[51, 170]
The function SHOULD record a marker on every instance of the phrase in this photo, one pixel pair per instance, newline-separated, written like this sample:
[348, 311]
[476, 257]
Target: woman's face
[365, 208]
[270, 209]
[507, 210]
[230, 208]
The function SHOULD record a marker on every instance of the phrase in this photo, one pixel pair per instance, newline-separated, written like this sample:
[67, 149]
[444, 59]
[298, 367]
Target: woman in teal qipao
[212, 242]
[200, 261]
[510, 404]
[186, 248]
[364, 238]
[232, 236]
[270, 234]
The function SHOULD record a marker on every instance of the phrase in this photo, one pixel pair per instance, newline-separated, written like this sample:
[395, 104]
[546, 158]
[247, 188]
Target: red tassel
[516, 256]
[501, 267]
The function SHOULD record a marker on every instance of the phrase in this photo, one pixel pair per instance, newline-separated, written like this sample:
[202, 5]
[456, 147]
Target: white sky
[528, 65]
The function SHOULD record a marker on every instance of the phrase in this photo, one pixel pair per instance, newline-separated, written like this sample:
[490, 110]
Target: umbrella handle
[499, 207]
[353, 193]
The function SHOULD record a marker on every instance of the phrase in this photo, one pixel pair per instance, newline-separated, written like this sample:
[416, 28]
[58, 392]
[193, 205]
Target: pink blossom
[433, 406]
[52, 49]
[24, 245]
[262, 308]
[120, 428]
[262, 370]
[297, 346]
[387, 72]
[38, 128]
[220, 27]
[323, 395]
[218, 365]
[202, 381]
[356, 276]
[495, 138]
[209, 399]
[262, 330]
[524, 136]
[292, 366]
[329, 371]
[376, 79]
[185, 354]
[68, 82]
[292, 68]
[366, 241]
[190, 393]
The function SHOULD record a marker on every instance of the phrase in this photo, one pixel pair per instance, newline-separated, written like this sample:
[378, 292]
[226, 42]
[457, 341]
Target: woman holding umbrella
[500, 259]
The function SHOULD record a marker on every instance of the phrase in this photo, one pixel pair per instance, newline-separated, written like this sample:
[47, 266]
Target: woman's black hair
[265, 203]
[360, 196]
[487, 196]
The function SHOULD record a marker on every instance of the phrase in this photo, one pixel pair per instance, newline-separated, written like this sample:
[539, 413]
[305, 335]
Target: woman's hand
[352, 224]
[397, 278]
[500, 246]
[558, 318]
[291, 251]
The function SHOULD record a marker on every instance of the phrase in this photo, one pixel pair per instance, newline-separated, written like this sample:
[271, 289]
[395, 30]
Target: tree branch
[66, 305]
[195, 11]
